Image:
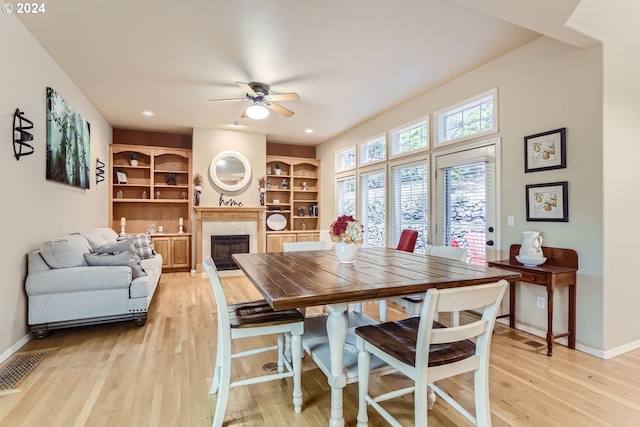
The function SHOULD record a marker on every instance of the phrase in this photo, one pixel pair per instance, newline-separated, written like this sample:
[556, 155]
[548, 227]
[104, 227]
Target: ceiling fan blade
[229, 99]
[283, 97]
[248, 89]
[279, 109]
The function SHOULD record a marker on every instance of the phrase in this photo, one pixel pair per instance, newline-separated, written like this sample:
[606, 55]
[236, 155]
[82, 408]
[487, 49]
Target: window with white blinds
[465, 195]
[346, 196]
[373, 199]
[409, 197]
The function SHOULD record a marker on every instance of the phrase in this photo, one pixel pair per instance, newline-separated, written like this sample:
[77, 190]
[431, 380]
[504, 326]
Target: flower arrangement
[348, 228]
[197, 180]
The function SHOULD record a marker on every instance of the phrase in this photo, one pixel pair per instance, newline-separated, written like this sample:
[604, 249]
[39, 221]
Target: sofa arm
[77, 279]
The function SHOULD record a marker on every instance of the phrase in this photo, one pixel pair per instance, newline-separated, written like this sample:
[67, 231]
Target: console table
[558, 271]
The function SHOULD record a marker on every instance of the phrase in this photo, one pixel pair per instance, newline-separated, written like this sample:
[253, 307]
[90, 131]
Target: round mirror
[230, 171]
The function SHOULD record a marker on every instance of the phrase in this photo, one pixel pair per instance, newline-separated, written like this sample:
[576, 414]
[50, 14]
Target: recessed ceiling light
[147, 113]
[308, 131]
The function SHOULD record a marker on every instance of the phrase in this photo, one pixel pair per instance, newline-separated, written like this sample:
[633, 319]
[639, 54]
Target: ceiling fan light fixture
[257, 111]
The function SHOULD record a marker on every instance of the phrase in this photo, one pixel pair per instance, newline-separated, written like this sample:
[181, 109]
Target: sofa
[91, 277]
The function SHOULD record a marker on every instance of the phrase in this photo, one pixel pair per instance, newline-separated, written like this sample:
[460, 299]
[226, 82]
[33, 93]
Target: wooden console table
[559, 270]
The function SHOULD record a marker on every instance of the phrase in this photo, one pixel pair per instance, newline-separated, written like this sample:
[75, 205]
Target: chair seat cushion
[259, 313]
[398, 339]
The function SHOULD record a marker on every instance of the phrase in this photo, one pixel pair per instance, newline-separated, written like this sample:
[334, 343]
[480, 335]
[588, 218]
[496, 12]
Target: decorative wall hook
[20, 135]
[99, 171]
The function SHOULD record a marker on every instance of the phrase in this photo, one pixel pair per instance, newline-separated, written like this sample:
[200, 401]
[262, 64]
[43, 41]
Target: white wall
[34, 209]
[207, 143]
[542, 86]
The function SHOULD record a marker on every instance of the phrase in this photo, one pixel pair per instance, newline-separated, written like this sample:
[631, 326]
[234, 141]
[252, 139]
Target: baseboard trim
[14, 348]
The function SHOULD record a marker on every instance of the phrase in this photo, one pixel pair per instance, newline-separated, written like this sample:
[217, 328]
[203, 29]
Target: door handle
[489, 242]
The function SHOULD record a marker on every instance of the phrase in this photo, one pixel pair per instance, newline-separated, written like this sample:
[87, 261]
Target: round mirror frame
[223, 185]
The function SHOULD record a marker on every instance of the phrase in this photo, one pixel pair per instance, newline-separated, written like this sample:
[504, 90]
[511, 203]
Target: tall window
[373, 150]
[346, 159]
[410, 201]
[469, 119]
[410, 138]
[373, 197]
[346, 196]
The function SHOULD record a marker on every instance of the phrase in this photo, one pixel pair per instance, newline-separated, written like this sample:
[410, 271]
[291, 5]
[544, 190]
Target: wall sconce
[20, 136]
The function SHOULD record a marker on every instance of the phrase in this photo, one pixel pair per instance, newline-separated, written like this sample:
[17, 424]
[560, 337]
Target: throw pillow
[121, 258]
[141, 243]
[115, 247]
[65, 252]
[100, 236]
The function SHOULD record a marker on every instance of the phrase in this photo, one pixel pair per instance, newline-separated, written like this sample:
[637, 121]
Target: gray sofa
[91, 277]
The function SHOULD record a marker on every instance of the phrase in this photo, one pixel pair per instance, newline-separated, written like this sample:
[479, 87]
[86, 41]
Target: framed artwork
[548, 202]
[122, 177]
[545, 151]
[68, 143]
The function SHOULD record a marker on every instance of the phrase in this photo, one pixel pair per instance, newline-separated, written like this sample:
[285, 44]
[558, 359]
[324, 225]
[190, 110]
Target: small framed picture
[545, 151]
[548, 202]
[122, 177]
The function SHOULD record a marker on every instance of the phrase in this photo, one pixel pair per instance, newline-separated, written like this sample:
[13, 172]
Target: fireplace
[222, 247]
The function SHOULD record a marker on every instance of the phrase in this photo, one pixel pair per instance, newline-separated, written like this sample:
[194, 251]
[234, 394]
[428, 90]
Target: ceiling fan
[262, 101]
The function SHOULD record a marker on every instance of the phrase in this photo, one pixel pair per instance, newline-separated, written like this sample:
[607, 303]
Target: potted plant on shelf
[133, 158]
[347, 232]
[277, 168]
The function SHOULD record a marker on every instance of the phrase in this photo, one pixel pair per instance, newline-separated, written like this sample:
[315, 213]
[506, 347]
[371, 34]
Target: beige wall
[207, 143]
[34, 209]
[542, 86]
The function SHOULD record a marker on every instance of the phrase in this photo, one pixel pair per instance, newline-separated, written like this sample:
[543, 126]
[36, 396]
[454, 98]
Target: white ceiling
[348, 60]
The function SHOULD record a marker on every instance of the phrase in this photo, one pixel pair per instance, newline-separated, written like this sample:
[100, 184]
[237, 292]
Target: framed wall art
[548, 202]
[545, 151]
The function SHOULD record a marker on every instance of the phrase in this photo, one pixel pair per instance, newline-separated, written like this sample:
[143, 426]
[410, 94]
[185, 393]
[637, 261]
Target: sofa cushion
[65, 252]
[141, 243]
[115, 247]
[100, 237]
[121, 258]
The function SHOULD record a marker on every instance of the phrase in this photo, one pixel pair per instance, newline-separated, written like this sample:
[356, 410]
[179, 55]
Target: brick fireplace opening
[222, 247]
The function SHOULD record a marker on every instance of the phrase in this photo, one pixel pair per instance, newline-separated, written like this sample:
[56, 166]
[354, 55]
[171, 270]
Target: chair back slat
[303, 246]
[448, 252]
[218, 294]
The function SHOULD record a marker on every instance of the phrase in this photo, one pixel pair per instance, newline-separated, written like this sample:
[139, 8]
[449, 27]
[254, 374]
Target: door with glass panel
[466, 203]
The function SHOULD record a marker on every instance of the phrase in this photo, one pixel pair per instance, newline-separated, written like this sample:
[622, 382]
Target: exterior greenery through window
[410, 138]
[472, 118]
[410, 201]
[374, 150]
[373, 208]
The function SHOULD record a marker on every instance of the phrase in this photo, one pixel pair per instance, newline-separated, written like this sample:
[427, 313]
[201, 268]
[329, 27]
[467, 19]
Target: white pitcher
[531, 245]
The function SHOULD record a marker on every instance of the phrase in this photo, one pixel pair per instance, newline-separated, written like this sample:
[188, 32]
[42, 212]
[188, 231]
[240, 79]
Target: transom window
[410, 138]
[469, 119]
[346, 159]
[373, 150]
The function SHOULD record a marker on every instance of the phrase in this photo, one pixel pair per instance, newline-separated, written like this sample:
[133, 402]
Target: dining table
[312, 278]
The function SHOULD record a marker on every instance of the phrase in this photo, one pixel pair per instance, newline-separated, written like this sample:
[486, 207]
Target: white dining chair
[427, 352]
[252, 319]
[413, 303]
[303, 246]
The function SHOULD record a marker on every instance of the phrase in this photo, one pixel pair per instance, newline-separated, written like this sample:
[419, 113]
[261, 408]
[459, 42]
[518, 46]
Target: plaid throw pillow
[141, 243]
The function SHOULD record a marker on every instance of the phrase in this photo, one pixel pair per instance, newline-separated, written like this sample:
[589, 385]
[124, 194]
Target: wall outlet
[540, 302]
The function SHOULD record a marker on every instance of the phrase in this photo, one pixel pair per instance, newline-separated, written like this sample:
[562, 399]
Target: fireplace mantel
[227, 214]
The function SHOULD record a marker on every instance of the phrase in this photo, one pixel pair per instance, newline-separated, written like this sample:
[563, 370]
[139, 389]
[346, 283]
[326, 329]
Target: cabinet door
[162, 245]
[274, 242]
[308, 237]
[180, 251]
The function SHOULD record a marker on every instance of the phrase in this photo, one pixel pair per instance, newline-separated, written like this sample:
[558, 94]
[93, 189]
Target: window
[373, 150]
[373, 198]
[469, 119]
[410, 201]
[410, 138]
[346, 159]
[346, 196]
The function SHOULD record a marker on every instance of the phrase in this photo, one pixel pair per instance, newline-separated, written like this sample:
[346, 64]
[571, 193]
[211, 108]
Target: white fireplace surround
[226, 221]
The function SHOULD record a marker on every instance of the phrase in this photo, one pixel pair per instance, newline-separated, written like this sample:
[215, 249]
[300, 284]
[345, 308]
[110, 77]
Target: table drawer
[535, 278]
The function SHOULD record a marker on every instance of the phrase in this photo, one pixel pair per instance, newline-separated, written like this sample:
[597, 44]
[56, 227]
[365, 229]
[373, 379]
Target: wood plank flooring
[159, 375]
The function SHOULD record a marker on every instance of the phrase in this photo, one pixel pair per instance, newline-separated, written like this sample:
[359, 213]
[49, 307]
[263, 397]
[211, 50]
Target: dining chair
[407, 243]
[413, 303]
[427, 352]
[303, 246]
[252, 319]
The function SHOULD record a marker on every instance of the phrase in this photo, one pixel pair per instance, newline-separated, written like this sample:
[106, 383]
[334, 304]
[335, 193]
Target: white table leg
[337, 333]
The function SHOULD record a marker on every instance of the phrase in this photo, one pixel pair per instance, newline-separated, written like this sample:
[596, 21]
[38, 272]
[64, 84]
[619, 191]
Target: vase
[346, 252]
[531, 245]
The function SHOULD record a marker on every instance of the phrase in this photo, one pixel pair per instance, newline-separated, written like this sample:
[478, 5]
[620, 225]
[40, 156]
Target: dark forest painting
[67, 143]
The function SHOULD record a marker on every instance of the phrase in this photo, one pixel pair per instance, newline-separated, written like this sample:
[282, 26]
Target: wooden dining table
[311, 278]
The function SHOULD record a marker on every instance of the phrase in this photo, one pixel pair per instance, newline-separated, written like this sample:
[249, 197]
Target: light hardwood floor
[159, 375]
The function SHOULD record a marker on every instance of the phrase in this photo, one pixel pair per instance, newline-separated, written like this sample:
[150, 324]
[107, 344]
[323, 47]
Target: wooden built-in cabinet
[156, 192]
[294, 193]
